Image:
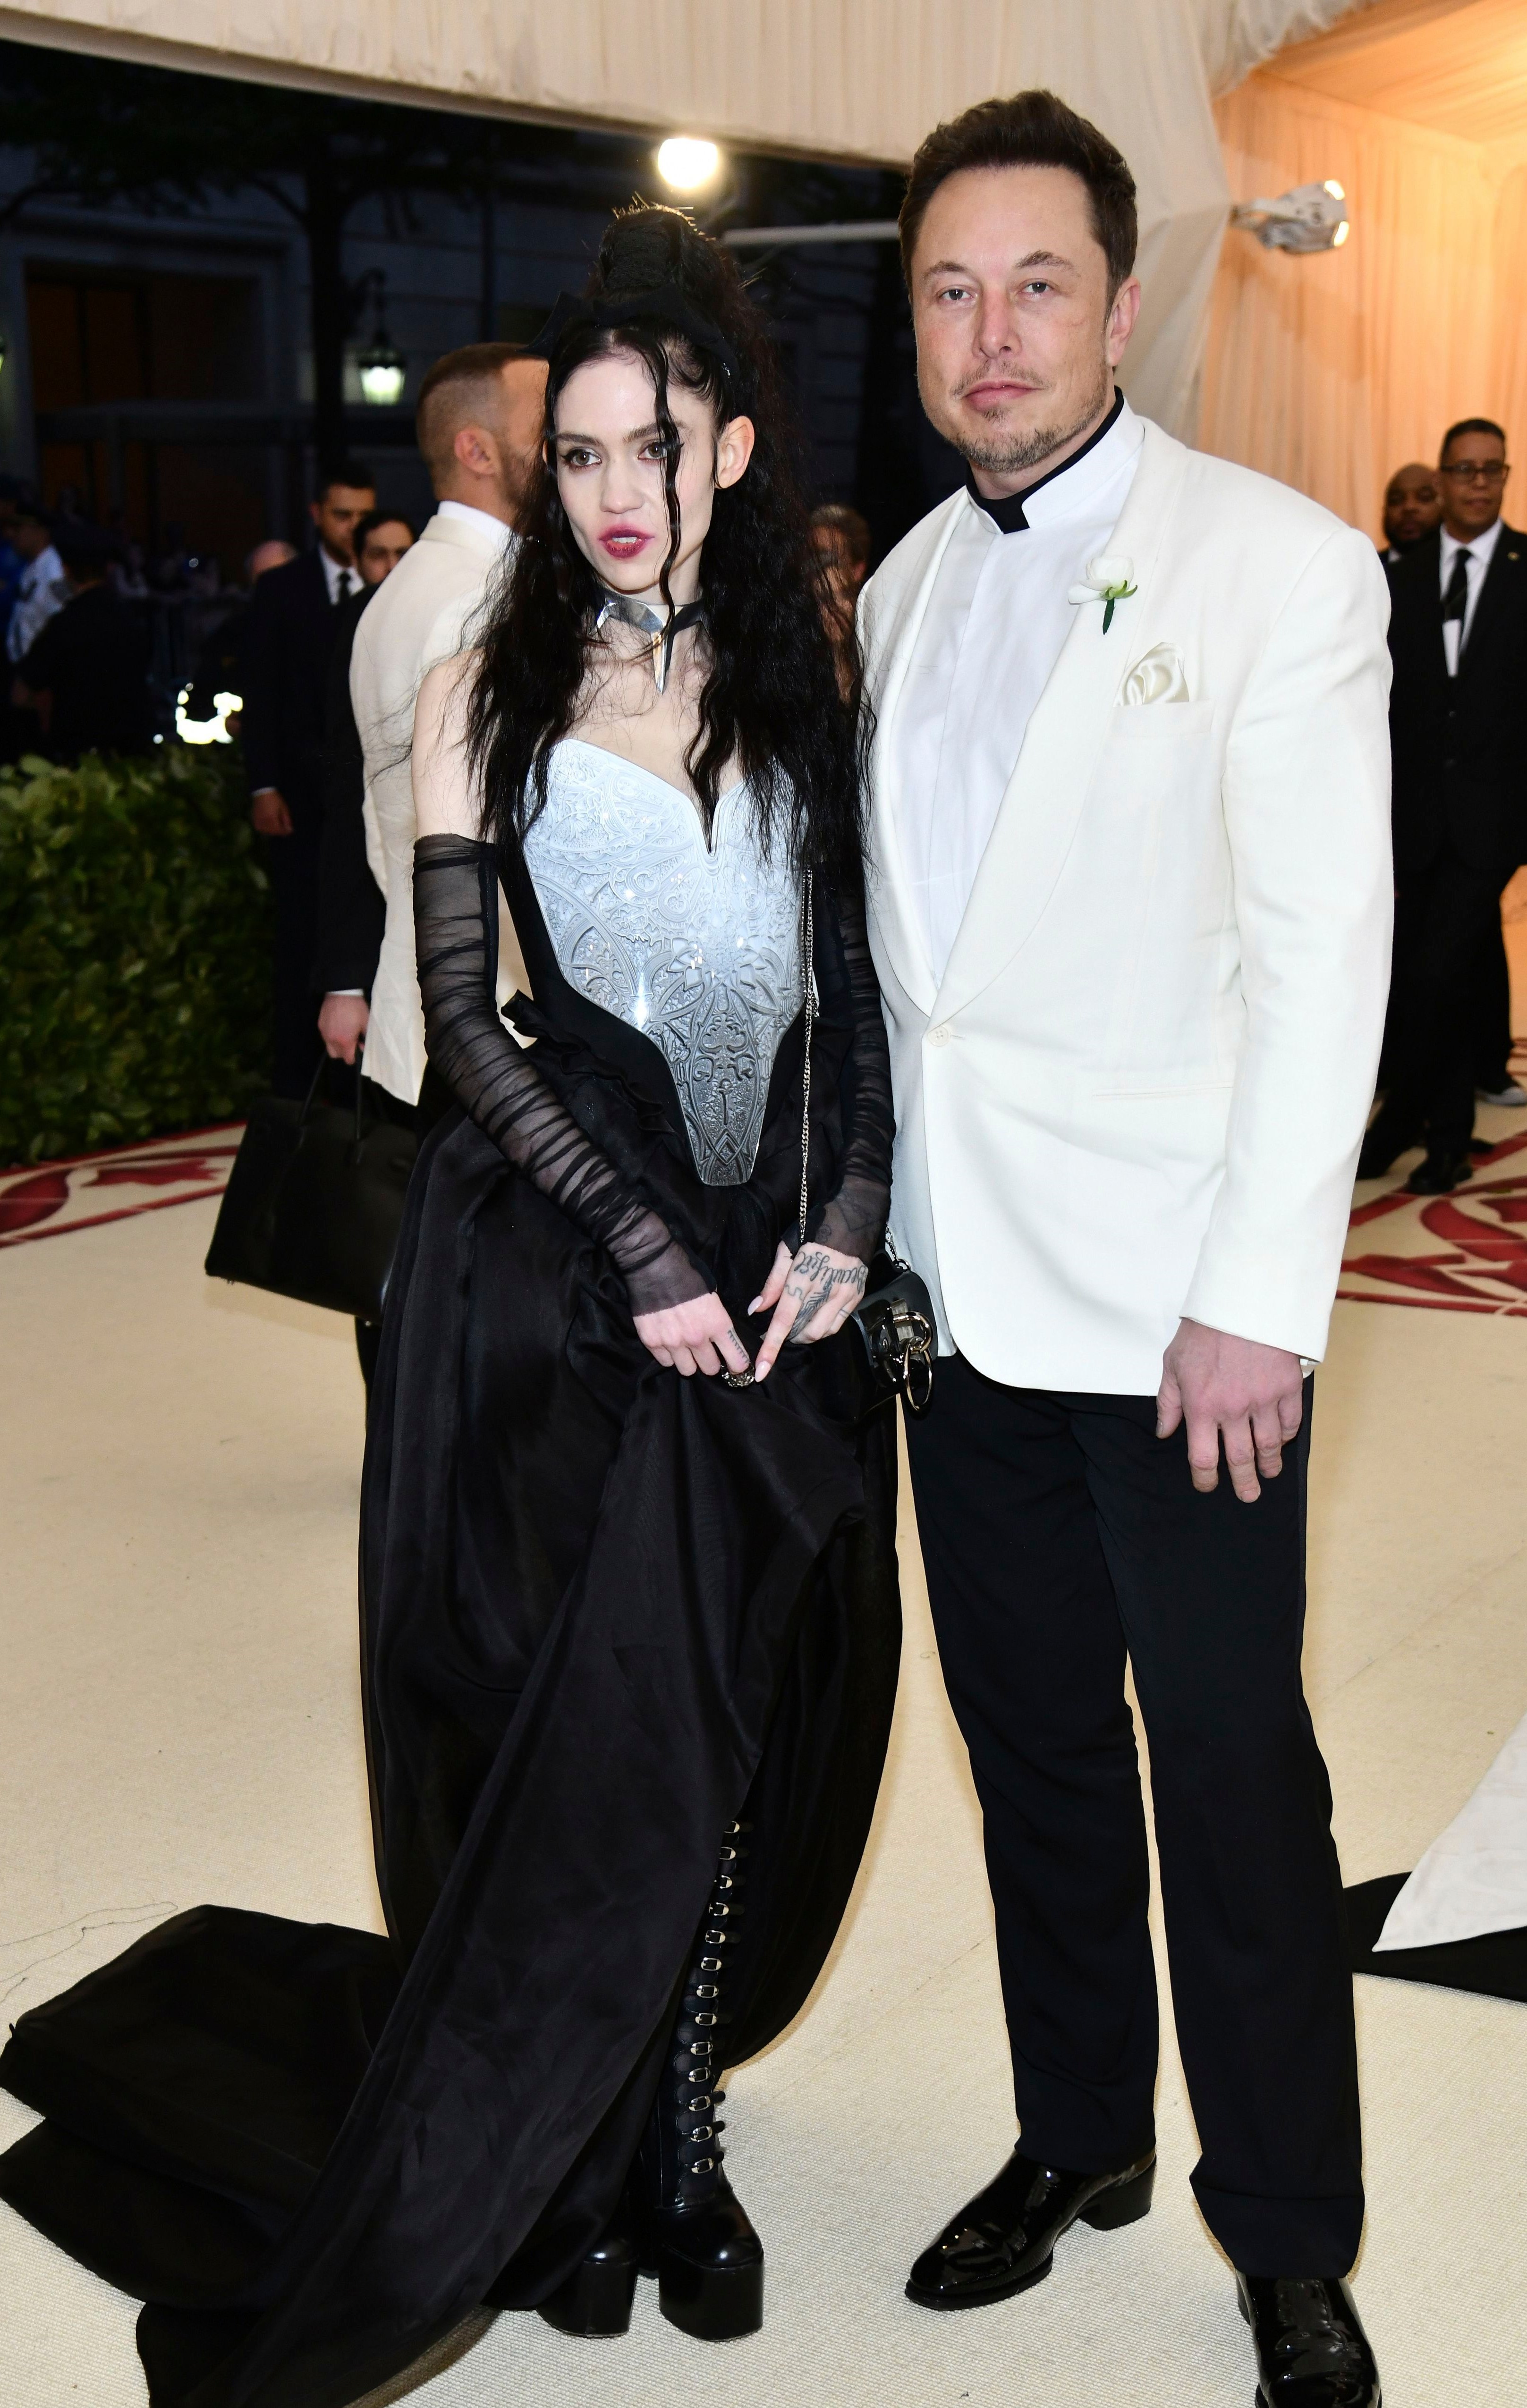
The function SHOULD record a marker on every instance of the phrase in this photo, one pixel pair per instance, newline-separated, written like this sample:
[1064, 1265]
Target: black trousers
[1492, 1016]
[1446, 941]
[1061, 1536]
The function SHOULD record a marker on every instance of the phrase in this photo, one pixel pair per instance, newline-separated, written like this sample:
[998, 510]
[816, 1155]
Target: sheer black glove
[455, 919]
[853, 1221]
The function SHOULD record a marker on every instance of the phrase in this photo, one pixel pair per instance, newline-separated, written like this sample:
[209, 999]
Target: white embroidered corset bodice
[696, 945]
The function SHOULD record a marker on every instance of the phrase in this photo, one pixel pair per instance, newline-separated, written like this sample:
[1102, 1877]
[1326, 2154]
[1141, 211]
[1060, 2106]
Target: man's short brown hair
[462, 389]
[1032, 129]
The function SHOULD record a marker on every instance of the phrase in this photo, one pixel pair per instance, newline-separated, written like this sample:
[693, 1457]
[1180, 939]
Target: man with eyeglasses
[1458, 723]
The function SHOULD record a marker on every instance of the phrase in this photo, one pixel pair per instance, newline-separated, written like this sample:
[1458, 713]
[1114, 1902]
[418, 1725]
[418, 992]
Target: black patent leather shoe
[1003, 2239]
[597, 2296]
[1312, 2351]
[1439, 1174]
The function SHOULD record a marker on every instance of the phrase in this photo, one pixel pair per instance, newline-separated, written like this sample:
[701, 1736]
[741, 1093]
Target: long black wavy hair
[772, 698]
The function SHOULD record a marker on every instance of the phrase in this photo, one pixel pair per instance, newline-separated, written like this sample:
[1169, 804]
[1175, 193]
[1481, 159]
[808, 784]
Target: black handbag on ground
[314, 1203]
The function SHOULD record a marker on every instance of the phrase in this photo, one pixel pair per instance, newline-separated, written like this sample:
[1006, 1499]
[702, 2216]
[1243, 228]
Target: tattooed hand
[813, 1293]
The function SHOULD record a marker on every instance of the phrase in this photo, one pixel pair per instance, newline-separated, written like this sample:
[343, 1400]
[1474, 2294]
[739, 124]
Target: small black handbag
[314, 1203]
[895, 1318]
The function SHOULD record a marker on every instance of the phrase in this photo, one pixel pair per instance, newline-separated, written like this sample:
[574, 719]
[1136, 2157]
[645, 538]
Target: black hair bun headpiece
[668, 304]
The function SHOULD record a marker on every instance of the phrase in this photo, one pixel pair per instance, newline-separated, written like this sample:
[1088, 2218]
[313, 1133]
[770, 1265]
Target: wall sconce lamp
[1312, 217]
[382, 367]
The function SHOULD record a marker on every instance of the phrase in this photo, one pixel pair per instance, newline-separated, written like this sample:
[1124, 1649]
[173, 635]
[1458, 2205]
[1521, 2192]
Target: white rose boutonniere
[1105, 579]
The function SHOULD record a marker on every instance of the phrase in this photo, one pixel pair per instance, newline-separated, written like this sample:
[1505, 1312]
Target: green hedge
[135, 950]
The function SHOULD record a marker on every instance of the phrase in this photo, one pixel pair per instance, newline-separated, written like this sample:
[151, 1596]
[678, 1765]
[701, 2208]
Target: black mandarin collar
[1006, 514]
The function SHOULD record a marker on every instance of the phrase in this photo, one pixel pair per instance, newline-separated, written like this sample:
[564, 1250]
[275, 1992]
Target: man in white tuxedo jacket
[1130, 902]
[480, 423]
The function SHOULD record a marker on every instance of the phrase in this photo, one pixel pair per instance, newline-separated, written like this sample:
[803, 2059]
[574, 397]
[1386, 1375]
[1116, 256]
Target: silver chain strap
[808, 952]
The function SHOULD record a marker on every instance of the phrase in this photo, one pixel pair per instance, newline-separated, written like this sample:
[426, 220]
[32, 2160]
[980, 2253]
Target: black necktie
[1455, 602]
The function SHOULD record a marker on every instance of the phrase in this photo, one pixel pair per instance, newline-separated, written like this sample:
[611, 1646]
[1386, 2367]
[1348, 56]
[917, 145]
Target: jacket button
[940, 1035]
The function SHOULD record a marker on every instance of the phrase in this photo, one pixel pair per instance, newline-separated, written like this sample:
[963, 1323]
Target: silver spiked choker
[661, 629]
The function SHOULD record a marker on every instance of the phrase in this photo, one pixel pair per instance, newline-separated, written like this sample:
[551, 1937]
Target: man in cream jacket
[479, 424]
[1129, 900]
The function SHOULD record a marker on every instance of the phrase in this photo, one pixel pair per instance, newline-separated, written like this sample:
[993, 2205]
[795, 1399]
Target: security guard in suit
[1458, 723]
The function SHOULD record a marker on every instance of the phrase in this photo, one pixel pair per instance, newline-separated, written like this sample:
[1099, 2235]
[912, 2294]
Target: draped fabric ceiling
[847, 79]
[1327, 371]
[1330, 372]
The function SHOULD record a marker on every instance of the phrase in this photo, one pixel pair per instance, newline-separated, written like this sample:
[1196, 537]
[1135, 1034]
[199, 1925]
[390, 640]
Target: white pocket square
[1158, 676]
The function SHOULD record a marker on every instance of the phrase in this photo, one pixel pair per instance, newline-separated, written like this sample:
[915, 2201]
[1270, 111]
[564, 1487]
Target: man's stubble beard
[1002, 454]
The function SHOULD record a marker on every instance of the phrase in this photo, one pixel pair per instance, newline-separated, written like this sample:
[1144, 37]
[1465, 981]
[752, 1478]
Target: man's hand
[1253, 1393]
[341, 1024]
[268, 812]
[1514, 897]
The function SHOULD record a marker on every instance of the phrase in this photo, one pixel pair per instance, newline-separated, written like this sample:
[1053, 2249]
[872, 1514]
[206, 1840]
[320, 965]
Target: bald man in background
[479, 424]
[1412, 509]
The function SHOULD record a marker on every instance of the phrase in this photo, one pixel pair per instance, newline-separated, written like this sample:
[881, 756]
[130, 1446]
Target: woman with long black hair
[629, 1609]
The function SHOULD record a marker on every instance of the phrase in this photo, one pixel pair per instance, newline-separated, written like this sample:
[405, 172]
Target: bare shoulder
[444, 789]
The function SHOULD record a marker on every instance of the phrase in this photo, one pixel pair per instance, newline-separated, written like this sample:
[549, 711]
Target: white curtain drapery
[843, 79]
[1332, 371]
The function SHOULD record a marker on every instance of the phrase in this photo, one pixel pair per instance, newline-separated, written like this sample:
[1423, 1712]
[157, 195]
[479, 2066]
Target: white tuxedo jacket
[421, 615]
[1138, 1090]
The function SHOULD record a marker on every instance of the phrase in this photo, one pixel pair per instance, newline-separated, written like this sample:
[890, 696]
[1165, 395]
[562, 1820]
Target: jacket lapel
[1491, 595]
[1065, 736]
[896, 920]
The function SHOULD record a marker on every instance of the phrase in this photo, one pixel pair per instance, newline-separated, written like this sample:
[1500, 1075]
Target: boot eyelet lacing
[700, 2244]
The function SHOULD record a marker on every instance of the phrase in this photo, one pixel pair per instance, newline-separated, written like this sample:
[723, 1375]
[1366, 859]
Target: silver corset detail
[696, 946]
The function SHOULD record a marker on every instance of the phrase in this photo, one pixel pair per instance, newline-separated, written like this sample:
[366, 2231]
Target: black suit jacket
[287, 640]
[1459, 743]
[352, 913]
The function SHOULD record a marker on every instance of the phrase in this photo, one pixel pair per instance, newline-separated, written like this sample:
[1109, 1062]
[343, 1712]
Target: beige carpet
[179, 1470]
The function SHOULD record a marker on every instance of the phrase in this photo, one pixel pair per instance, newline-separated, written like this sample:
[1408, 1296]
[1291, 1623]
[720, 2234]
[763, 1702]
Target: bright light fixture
[687, 163]
[206, 731]
[382, 372]
[1312, 217]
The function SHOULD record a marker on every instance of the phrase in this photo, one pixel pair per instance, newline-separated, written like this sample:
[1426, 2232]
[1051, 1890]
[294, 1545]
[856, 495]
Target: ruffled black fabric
[604, 1610]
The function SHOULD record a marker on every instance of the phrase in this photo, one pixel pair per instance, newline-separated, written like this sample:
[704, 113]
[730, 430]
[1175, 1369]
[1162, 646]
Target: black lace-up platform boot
[697, 2238]
[597, 2296]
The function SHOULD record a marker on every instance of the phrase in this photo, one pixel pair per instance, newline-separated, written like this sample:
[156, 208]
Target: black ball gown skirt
[605, 1611]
